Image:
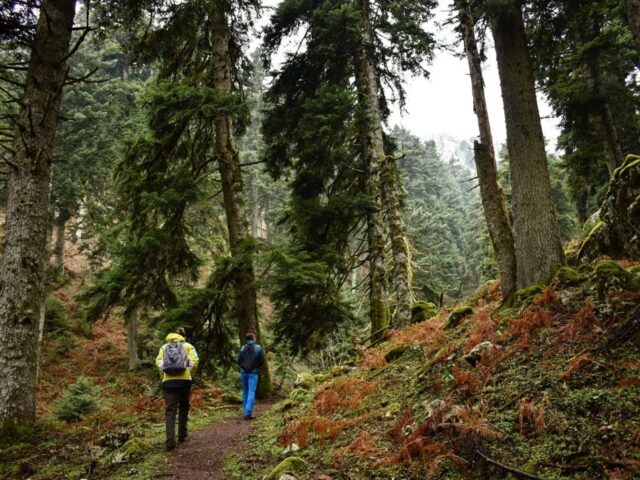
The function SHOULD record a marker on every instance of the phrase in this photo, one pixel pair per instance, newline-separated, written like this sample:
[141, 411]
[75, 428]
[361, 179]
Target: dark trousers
[176, 400]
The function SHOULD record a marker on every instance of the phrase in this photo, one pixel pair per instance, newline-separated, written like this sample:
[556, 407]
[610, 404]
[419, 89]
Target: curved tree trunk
[245, 307]
[23, 263]
[535, 227]
[372, 144]
[493, 202]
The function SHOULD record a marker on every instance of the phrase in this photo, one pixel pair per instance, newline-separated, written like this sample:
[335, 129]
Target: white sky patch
[442, 104]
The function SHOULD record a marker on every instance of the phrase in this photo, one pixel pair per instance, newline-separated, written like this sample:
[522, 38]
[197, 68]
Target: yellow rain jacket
[191, 354]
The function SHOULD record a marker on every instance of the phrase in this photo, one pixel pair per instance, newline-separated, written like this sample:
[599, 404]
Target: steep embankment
[549, 388]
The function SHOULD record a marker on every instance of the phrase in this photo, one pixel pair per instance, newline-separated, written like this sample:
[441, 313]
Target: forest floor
[202, 456]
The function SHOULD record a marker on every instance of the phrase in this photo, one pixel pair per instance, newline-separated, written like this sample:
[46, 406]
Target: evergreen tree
[23, 262]
[343, 41]
[586, 63]
[536, 232]
[495, 211]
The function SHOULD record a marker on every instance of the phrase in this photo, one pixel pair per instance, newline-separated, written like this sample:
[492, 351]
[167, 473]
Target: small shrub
[56, 318]
[531, 415]
[78, 400]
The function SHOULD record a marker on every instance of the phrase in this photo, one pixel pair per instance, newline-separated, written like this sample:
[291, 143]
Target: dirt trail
[200, 457]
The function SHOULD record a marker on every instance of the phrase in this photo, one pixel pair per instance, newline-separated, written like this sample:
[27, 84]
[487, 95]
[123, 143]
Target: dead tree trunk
[245, 307]
[23, 263]
[535, 227]
[493, 202]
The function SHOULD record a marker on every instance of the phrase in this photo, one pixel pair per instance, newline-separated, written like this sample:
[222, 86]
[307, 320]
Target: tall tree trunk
[131, 322]
[23, 263]
[372, 144]
[632, 10]
[399, 242]
[58, 250]
[245, 307]
[43, 301]
[536, 232]
[493, 202]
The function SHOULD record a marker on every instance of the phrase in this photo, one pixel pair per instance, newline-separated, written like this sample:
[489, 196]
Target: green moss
[308, 380]
[630, 162]
[300, 395]
[288, 465]
[135, 447]
[527, 295]
[457, 315]
[568, 276]
[422, 311]
[609, 275]
[395, 352]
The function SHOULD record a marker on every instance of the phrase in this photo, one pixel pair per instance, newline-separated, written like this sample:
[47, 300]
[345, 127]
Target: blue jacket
[259, 355]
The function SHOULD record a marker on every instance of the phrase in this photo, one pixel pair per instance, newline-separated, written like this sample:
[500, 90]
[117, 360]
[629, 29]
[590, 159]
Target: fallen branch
[515, 471]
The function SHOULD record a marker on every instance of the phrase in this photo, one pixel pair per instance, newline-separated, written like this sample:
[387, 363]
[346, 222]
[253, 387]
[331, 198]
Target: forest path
[201, 456]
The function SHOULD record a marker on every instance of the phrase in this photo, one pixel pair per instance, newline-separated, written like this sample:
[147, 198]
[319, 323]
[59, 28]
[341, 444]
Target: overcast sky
[442, 104]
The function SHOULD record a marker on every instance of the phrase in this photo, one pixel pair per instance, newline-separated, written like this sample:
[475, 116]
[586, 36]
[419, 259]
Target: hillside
[547, 388]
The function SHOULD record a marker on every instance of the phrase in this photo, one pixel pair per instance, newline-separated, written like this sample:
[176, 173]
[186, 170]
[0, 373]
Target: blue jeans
[249, 385]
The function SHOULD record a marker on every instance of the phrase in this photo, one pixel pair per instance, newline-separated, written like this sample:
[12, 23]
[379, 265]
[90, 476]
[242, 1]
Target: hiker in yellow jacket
[177, 360]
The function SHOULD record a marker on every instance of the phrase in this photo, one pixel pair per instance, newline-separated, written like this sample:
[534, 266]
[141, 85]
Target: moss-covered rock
[457, 315]
[421, 311]
[396, 352]
[288, 465]
[568, 276]
[527, 295]
[609, 275]
[308, 380]
[135, 447]
[615, 232]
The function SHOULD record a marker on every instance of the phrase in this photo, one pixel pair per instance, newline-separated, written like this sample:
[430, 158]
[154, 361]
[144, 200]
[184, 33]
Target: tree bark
[23, 263]
[245, 307]
[372, 144]
[131, 322]
[536, 232]
[43, 301]
[399, 242]
[493, 202]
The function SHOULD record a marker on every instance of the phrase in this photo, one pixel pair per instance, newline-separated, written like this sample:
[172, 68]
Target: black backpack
[249, 358]
[175, 360]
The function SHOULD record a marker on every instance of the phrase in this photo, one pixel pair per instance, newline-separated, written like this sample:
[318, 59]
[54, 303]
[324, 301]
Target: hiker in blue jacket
[251, 360]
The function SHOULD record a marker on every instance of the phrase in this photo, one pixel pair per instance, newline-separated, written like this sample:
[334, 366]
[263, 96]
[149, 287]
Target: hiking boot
[182, 439]
[170, 445]
[250, 417]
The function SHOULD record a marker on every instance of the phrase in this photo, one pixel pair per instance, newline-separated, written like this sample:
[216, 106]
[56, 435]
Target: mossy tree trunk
[535, 227]
[493, 202]
[245, 306]
[617, 231]
[373, 155]
[400, 252]
[23, 264]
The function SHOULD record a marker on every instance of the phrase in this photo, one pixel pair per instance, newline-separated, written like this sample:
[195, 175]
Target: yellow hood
[174, 337]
